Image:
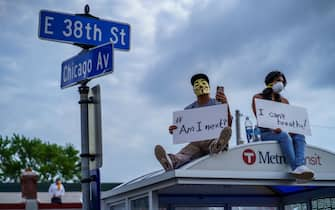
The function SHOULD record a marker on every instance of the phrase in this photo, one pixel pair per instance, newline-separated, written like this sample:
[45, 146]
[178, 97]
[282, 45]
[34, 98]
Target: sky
[236, 43]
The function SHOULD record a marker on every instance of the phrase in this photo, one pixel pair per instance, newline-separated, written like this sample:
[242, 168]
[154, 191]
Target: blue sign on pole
[86, 65]
[80, 29]
[95, 190]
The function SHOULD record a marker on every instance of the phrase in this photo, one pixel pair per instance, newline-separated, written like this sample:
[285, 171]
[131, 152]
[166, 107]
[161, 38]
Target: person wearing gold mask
[194, 150]
[56, 190]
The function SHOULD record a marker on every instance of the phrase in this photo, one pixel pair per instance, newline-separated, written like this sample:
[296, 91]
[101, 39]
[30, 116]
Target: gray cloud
[259, 36]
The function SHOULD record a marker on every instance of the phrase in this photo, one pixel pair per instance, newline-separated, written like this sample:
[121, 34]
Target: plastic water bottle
[257, 134]
[249, 130]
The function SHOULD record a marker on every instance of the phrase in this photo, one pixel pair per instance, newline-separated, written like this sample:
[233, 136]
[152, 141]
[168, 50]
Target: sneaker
[303, 181]
[226, 148]
[302, 172]
[163, 158]
[221, 143]
[225, 136]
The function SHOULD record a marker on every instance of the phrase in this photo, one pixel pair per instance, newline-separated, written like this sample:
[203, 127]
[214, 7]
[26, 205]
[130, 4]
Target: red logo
[249, 156]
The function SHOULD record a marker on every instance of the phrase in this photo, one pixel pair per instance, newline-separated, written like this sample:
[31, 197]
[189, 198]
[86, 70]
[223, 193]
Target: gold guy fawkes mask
[201, 87]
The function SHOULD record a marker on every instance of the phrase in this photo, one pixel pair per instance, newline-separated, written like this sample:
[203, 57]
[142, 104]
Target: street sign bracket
[86, 14]
[88, 101]
[87, 180]
[90, 156]
[83, 88]
[92, 178]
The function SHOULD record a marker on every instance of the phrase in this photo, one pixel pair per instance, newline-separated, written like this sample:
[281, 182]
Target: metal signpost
[85, 176]
[88, 32]
[95, 146]
[95, 189]
[94, 127]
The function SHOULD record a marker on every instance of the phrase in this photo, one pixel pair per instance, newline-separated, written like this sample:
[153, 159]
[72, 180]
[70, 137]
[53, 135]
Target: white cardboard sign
[289, 118]
[199, 123]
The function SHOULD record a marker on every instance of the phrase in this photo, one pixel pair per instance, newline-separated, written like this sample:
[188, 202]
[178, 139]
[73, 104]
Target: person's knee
[284, 137]
[298, 137]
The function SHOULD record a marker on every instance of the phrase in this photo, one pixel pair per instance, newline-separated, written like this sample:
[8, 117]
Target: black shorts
[56, 200]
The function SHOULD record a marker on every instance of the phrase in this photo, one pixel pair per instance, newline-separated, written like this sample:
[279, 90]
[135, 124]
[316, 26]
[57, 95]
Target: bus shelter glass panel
[121, 206]
[199, 208]
[323, 203]
[296, 206]
[253, 208]
[140, 204]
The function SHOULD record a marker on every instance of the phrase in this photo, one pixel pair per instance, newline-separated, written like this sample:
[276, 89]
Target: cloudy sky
[235, 42]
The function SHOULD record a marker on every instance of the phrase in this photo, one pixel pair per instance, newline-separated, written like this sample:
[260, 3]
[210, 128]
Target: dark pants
[56, 200]
[190, 152]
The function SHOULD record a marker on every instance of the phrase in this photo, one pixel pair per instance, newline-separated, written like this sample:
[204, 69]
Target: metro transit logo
[262, 157]
[249, 156]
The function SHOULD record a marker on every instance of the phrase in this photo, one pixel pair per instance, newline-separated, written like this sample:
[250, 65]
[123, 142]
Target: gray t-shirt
[195, 104]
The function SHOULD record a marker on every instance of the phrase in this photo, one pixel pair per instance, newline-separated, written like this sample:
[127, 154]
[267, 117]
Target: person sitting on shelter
[194, 150]
[292, 145]
[56, 190]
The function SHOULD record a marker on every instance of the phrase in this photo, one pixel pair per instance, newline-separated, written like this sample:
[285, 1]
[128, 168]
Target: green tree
[48, 160]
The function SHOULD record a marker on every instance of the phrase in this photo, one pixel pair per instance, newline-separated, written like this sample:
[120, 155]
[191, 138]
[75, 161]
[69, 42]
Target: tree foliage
[47, 160]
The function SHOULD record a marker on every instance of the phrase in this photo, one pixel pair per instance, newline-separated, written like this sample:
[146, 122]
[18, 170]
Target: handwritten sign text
[289, 118]
[200, 123]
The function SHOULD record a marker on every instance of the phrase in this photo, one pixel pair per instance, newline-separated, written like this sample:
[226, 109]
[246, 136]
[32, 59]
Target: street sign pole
[95, 145]
[84, 118]
[85, 179]
[97, 38]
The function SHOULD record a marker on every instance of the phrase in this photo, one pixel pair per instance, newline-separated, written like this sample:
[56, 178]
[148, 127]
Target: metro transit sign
[79, 29]
[86, 65]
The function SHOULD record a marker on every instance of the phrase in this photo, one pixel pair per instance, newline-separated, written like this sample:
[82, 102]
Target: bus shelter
[247, 177]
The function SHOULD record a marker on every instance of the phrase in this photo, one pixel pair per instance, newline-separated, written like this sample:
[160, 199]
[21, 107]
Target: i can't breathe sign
[289, 118]
[200, 123]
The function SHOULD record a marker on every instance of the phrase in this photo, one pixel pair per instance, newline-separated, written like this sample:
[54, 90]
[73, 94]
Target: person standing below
[292, 145]
[56, 190]
[194, 150]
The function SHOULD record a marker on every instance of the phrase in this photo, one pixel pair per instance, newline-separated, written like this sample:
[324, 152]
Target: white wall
[42, 197]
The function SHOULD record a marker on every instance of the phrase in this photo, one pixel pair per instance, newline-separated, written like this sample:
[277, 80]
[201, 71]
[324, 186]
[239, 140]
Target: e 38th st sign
[80, 29]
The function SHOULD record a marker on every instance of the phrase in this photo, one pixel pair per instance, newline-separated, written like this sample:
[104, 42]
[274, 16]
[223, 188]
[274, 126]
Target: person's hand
[277, 130]
[221, 97]
[171, 128]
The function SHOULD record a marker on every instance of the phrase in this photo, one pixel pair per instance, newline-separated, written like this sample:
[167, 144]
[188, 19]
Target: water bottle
[249, 130]
[257, 134]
